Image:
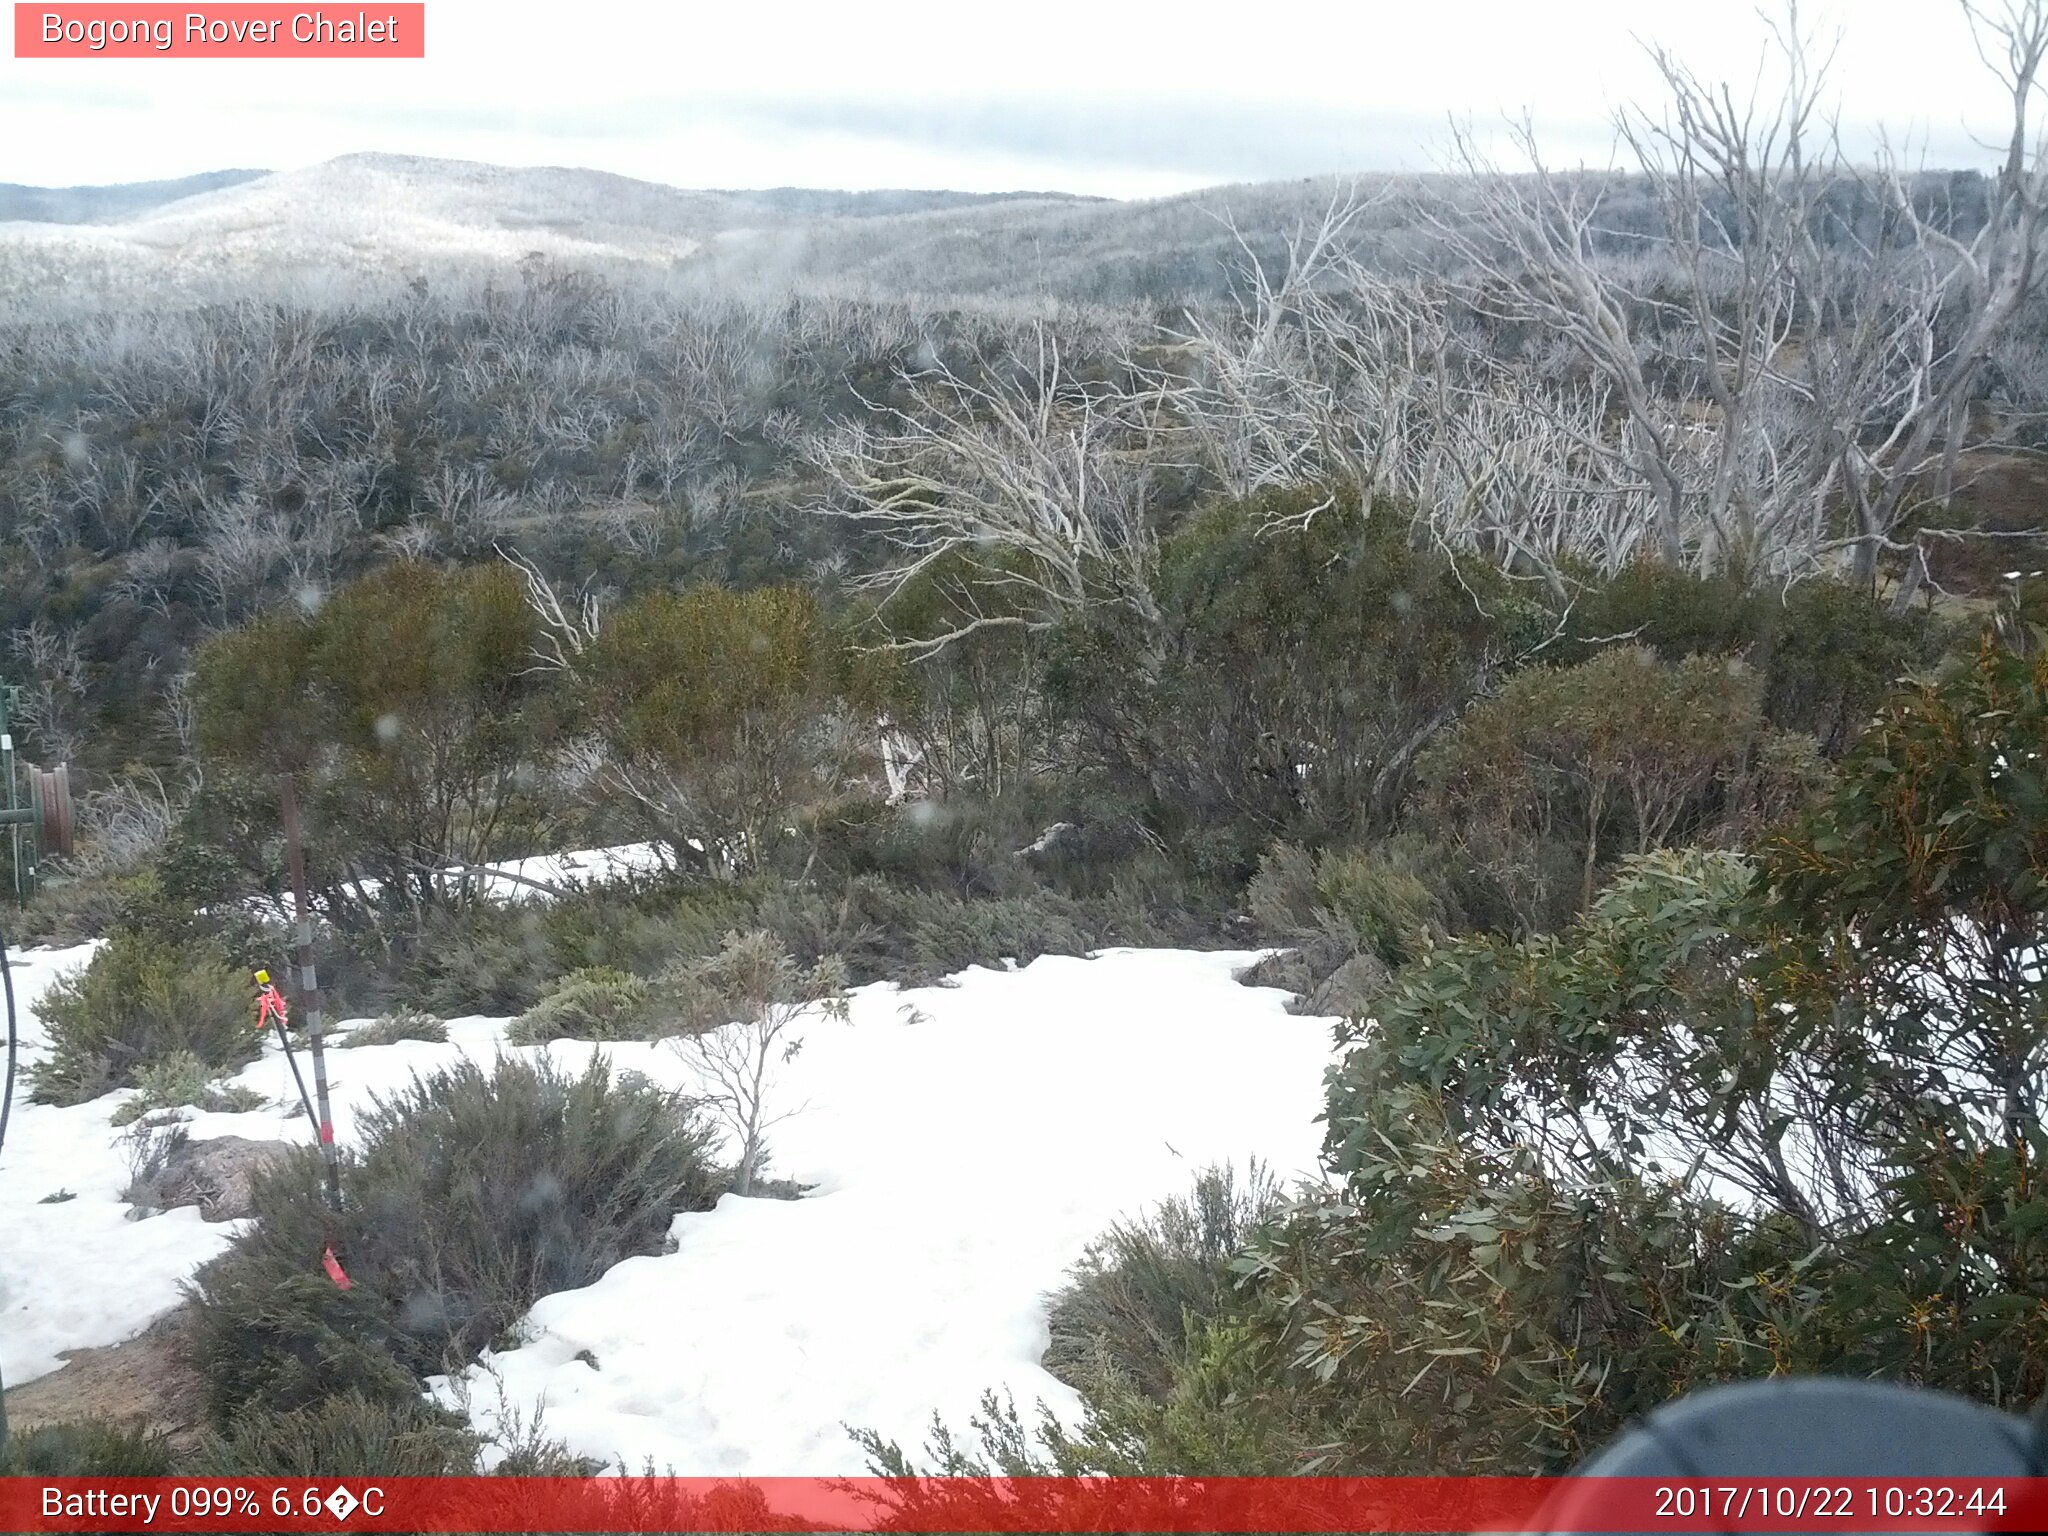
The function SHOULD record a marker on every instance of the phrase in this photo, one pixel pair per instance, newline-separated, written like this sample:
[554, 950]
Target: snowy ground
[76, 1272]
[964, 1142]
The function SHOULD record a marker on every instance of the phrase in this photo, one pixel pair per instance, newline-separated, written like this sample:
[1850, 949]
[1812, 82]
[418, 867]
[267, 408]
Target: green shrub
[142, 1001]
[86, 1448]
[813, 923]
[1298, 658]
[343, 1436]
[959, 845]
[153, 905]
[1126, 1314]
[273, 1334]
[182, 1079]
[402, 1023]
[523, 960]
[475, 1192]
[1830, 654]
[69, 911]
[415, 708]
[525, 1449]
[495, 959]
[1355, 899]
[1827, 652]
[1858, 989]
[481, 959]
[1672, 611]
[644, 931]
[884, 932]
[1390, 910]
[597, 1003]
[1282, 897]
[955, 935]
[1618, 755]
[723, 699]
[1351, 915]
[1233, 1409]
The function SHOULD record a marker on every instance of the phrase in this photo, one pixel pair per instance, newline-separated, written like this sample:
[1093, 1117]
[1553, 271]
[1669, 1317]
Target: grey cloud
[1232, 141]
[1214, 140]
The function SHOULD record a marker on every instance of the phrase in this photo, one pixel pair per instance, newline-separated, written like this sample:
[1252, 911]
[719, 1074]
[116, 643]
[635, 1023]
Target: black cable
[6, 1105]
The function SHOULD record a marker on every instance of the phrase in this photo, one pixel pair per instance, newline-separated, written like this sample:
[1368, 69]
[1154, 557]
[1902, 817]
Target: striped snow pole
[309, 986]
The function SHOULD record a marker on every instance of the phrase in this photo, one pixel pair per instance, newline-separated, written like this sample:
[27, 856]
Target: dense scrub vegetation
[140, 1004]
[1747, 1112]
[1585, 708]
[466, 1198]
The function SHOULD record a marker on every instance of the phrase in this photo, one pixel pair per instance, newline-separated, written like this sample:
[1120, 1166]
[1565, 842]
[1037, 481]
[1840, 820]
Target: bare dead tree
[242, 544]
[566, 626]
[1331, 373]
[147, 575]
[125, 824]
[51, 703]
[746, 999]
[1027, 482]
[1957, 298]
[179, 712]
[1249, 386]
[1790, 396]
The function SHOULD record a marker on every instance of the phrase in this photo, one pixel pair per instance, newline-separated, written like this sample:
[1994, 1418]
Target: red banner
[1308, 1504]
[224, 31]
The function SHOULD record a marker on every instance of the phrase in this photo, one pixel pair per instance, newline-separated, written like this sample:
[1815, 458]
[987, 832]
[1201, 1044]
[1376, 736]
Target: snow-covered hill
[394, 217]
[384, 215]
[369, 223]
[963, 1143]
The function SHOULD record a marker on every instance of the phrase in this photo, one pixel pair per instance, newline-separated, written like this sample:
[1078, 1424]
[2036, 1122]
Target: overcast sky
[1111, 97]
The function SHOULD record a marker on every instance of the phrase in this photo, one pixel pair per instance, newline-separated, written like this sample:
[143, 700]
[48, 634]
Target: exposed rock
[147, 1379]
[1048, 838]
[1324, 984]
[1349, 991]
[217, 1175]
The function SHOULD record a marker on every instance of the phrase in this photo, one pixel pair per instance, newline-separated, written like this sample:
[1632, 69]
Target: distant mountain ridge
[365, 224]
[388, 217]
[100, 204]
[372, 221]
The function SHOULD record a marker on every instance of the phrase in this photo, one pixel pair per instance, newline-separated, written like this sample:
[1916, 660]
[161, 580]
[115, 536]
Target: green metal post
[13, 813]
[35, 809]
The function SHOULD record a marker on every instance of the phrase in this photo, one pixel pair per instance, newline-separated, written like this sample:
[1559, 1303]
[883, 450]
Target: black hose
[6, 1106]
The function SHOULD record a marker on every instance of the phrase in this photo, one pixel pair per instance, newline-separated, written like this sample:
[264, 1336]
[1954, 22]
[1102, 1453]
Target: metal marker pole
[309, 985]
[284, 1040]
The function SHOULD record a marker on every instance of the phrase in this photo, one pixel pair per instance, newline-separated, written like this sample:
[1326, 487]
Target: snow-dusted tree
[1023, 485]
[743, 1005]
[1266, 391]
[565, 626]
[125, 825]
[1331, 373]
[1959, 298]
[1789, 386]
[51, 704]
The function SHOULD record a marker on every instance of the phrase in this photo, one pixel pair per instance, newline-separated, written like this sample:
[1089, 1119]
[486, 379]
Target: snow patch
[962, 1144]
